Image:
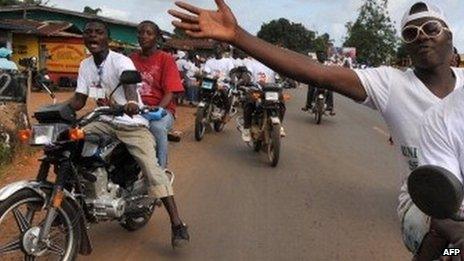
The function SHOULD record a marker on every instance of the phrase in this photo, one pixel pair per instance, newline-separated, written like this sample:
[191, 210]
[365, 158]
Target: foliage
[373, 34]
[293, 36]
[90, 10]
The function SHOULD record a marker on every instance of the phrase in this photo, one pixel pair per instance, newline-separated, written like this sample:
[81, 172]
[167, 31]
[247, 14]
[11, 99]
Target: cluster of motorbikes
[223, 97]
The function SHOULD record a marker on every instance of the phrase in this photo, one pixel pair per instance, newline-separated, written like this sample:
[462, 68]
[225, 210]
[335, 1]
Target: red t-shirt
[159, 75]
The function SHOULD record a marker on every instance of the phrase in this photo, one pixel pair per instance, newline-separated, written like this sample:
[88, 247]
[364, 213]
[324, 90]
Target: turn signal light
[76, 134]
[256, 95]
[24, 135]
[287, 97]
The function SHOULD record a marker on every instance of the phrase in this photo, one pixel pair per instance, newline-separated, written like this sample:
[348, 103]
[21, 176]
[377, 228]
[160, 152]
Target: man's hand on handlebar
[442, 234]
[131, 108]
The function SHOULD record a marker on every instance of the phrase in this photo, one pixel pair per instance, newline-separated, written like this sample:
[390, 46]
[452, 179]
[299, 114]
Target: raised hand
[202, 23]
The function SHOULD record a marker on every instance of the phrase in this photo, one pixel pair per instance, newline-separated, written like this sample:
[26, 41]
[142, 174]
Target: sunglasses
[431, 29]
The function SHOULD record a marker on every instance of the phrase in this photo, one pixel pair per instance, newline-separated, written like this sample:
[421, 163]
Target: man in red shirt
[160, 80]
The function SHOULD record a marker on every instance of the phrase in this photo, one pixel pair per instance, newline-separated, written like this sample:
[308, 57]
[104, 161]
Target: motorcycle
[216, 100]
[266, 124]
[320, 105]
[97, 180]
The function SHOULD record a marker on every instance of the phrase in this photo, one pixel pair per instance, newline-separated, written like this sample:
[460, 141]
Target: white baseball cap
[431, 11]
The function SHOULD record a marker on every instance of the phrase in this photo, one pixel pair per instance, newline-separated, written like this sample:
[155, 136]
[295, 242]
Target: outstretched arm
[221, 25]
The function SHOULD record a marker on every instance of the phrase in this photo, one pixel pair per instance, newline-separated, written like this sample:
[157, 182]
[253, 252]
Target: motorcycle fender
[37, 187]
[275, 120]
[14, 187]
[201, 104]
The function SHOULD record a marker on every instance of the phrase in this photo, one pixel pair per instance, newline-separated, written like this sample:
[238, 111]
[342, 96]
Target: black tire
[319, 112]
[136, 222]
[274, 145]
[65, 209]
[219, 126]
[199, 125]
[257, 145]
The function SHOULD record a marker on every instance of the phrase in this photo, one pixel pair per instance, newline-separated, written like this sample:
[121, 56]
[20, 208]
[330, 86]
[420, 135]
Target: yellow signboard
[64, 57]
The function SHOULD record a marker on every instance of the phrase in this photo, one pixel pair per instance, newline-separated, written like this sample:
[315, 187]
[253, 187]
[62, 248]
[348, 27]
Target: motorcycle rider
[98, 76]
[160, 82]
[401, 97]
[262, 75]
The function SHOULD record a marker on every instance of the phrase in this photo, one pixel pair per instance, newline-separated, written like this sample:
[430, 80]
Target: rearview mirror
[436, 192]
[130, 77]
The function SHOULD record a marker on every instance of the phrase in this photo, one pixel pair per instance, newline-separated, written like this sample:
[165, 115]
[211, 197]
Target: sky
[317, 15]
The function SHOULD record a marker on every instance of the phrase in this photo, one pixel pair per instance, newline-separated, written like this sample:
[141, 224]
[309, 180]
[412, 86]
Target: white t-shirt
[442, 135]
[261, 73]
[112, 68]
[402, 99]
[219, 67]
[182, 65]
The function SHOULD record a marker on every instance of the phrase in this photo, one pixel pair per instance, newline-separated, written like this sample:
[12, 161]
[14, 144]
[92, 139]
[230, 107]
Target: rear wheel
[21, 220]
[199, 124]
[273, 149]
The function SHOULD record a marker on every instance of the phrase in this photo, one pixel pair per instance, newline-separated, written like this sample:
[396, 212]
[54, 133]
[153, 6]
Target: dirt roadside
[25, 164]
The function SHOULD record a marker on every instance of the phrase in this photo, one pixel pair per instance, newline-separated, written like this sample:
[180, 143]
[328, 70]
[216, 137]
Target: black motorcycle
[214, 106]
[266, 119]
[96, 180]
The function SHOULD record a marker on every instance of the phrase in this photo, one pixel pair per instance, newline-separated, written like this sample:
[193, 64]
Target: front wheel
[21, 220]
[199, 124]
[319, 111]
[219, 126]
[273, 148]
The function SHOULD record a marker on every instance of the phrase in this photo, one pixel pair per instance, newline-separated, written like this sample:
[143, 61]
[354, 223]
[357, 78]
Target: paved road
[332, 196]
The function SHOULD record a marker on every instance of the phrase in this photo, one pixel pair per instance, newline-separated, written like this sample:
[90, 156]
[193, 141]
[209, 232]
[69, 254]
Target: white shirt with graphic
[402, 99]
[100, 85]
[219, 67]
[261, 73]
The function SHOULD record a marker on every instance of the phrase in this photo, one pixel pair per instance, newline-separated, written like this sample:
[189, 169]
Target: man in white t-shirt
[219, 66]
[400, 97]
[98, 78]
[442, 144]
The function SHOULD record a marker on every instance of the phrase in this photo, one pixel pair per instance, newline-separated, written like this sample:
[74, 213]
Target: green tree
[373, 34]
[293, 36]
[90, 10]
[322, 43]
[179, 34]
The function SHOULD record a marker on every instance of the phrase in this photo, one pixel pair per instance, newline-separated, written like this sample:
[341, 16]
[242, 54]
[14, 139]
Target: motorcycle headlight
[271, 96]
[46, 134]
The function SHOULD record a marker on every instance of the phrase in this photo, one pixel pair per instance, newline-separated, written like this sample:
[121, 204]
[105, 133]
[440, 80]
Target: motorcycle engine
[103, 197]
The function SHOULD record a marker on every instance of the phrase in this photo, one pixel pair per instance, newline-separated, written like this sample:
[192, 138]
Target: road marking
[379, 130]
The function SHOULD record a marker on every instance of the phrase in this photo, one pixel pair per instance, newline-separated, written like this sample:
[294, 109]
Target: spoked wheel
[21, 220]
[273, 148]
[199, 124]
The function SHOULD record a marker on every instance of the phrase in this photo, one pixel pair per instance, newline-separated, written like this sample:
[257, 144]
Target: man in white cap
[5, 63]
[401, 97]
